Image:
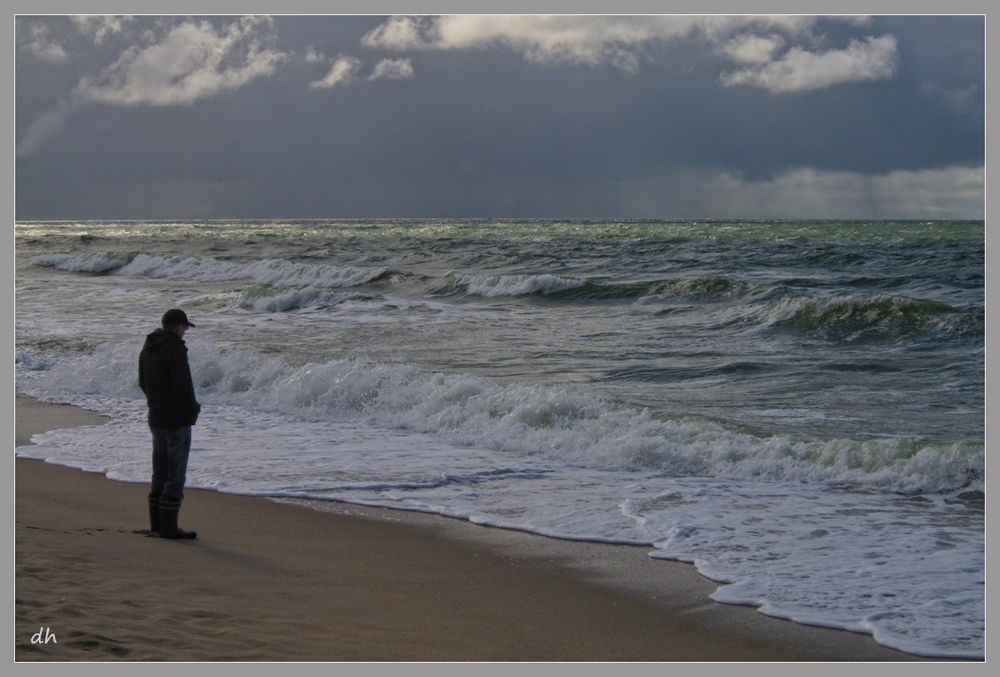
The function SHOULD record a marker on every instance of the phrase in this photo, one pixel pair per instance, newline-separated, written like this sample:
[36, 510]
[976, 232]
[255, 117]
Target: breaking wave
[529, 420]
[273, 272]
[265, 298]
[853, 318]
[490, 286]
[90, 262]
[559, 287]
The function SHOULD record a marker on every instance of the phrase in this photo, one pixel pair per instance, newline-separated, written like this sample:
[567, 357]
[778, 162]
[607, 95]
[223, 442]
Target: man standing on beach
[165, 378]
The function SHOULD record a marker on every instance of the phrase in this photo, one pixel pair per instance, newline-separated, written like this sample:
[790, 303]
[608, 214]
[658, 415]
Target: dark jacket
[165, 377]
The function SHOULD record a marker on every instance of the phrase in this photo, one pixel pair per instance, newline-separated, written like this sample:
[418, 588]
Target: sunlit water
[797, 408]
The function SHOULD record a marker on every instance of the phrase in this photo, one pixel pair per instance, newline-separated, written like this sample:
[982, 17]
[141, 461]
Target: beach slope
[277, 581]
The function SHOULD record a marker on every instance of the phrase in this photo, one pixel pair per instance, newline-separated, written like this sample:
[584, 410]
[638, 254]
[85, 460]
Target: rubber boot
[168, 525]
[154, 515]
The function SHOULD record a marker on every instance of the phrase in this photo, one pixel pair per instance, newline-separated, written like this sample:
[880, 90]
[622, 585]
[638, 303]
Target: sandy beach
[269, 580]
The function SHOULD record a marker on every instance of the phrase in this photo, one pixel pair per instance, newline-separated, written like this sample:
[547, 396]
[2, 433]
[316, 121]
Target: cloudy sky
[499, 116]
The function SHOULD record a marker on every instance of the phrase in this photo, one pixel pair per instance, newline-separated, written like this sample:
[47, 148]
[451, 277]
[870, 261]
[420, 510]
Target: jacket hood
[160, 338]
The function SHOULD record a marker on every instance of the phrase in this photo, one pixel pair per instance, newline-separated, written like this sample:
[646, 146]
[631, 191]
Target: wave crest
[265, 298]
[491, 286]
[531, 420]
[272, 272]
[881, 317]
[560, 287]
[90, 262]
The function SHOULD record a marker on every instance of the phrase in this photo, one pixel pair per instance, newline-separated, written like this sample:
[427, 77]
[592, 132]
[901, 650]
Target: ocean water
[797, 408]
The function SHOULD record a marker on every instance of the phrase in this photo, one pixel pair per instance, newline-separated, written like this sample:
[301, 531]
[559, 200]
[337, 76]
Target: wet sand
[276, 581]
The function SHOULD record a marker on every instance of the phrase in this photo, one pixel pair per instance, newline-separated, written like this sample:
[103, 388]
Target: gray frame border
[7, 299]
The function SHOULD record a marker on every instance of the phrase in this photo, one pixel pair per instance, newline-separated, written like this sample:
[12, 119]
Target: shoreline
[306, 580]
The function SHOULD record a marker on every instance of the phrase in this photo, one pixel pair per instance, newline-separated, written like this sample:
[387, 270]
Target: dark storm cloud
[367, 117]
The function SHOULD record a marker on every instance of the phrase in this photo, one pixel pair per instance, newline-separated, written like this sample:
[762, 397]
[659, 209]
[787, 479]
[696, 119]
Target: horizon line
[497, 218]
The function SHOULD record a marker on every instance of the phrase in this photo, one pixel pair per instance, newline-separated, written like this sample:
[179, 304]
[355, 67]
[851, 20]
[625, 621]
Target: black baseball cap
[176, 316]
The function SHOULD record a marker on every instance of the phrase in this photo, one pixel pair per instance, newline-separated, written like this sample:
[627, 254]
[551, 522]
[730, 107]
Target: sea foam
[559, 423]
[90, 262]
[273, 272]
[516, 285]
[544, 461]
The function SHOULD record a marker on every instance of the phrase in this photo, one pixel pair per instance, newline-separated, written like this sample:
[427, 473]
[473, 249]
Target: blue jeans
[170, 457]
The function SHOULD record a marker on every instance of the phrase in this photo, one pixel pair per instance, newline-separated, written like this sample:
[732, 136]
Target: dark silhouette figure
[165, 378]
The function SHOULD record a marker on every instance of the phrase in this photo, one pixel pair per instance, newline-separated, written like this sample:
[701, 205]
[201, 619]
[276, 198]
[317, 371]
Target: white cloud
[402, 32]
[192, 61]
[543, 39]
[586, 40]
[799, 70]
[169, 64]
[392, 69]
[344, 70]
[313, 55]
[749, 48]
[950, 192]
[624, 41]
[99, 27]
[43, 47]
